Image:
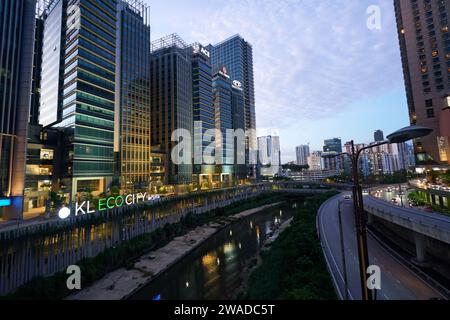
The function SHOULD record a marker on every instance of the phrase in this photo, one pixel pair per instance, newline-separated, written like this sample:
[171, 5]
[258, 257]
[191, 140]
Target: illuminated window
[47, 154]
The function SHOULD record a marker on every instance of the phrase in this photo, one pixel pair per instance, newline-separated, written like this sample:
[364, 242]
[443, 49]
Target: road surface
[398, 282]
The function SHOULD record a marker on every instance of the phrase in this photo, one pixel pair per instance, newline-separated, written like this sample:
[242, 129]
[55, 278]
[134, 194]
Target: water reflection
[215, 269]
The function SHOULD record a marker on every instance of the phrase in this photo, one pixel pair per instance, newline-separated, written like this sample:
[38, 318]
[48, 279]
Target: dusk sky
[320, 72]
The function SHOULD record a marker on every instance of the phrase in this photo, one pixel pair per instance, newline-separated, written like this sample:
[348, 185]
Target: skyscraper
[423, 31]
[378, 136]
[171, 87]
[236, 55]
[132, 139]
[238, 112]
[17, 29]
[204, 115]
[302, 154]
[79, 79]
[222, 89]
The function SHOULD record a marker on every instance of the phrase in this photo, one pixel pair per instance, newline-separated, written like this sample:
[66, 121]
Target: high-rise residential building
[79, 82]
[171, 90]
[132, 139]
[333, 145]
[424, 36]
[385, 159]
[236, 55]
[204, 115]
[378, 136]
[222, 89]
[269, 155]
[17, 29]
[302, 153]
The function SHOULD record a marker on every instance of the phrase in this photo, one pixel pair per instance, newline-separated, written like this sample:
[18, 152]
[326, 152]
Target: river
[214, 271]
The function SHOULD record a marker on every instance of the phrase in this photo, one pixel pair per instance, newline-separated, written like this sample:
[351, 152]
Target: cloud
[312, 59]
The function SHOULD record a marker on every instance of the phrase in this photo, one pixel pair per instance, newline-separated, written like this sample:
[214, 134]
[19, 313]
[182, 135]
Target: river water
[215, 269]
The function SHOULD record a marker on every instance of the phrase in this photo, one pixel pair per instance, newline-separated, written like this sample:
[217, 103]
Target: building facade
[238, 113]
[171, 103]
[223, 95]
[315, 161]
[204, 116]
[17, 28]
[132, 134]
[236, 55]
[83, 89]
[302, 153]
[424, 37]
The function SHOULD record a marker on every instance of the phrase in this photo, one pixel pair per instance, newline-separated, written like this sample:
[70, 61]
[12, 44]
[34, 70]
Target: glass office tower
[238, 112]
[171, 88]
[222, 90]
[86, 108]
[17, 26]
[132, 115]
[203, 112]
[236, 55]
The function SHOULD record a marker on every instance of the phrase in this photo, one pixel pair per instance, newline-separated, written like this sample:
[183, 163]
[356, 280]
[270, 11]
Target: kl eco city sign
[108, 203]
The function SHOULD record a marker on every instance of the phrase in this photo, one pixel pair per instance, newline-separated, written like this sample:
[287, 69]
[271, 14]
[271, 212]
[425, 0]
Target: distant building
[312, 175]
[333, 145]
[302, 154]
[378, 136]
[384, 159]
[315, 161]
[269, 155]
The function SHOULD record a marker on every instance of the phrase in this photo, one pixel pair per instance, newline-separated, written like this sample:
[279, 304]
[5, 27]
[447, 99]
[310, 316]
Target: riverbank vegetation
[294, 267]
[126, 253]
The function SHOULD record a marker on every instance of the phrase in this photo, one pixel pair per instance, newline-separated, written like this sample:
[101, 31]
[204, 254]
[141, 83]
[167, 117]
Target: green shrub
[294, 267]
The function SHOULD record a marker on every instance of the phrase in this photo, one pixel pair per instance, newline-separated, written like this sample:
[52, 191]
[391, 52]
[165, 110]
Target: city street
[397, 281]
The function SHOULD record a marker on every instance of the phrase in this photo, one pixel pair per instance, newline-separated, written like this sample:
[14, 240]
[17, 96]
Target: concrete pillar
[369, 219]
[421, 247]
[441, 201]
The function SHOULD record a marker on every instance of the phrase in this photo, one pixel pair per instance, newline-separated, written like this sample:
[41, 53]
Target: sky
[320, 71]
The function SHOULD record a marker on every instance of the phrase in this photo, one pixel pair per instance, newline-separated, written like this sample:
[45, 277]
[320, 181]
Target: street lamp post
[399, 136]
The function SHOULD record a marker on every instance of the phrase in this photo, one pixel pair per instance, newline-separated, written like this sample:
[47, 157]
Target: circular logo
[64, 213]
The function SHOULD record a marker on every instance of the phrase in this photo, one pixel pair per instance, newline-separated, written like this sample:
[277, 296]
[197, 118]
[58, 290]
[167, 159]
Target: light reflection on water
[215, 269]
